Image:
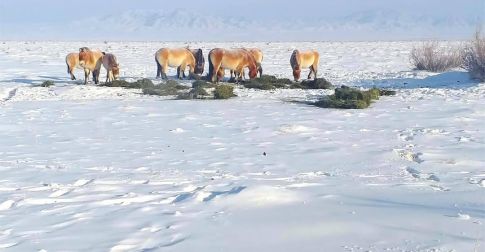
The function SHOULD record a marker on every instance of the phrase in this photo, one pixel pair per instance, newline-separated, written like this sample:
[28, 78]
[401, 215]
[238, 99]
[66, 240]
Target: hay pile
[268, 82]
[351, 98]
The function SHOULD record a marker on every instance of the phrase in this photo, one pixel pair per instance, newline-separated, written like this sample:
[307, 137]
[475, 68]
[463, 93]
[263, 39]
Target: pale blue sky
[26, 11]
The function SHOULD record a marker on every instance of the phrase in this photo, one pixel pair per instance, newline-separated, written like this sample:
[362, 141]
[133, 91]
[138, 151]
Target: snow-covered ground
[86, 168]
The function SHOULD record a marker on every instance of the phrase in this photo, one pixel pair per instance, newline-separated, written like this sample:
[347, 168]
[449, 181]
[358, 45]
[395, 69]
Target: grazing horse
[199, 62]
[258, 56]
[308, 59]
[91, 61]
[112, 67]
[72, 61]
[178, 57]
[236, 60]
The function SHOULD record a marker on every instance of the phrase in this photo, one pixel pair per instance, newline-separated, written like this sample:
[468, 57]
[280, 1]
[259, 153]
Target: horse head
[253, 66]
[295, 64]
[84, 56]
[116, 71]
[199, 62]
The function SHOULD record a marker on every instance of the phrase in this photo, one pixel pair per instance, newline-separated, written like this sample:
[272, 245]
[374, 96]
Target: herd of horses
[235, 60]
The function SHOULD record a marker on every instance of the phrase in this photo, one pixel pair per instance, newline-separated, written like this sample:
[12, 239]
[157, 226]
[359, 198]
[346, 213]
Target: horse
[236, 60]
[307, 59]
[112, 67]
[91, 61]
[199, 62]
[258, 56]
[72, 61]
[177, 57]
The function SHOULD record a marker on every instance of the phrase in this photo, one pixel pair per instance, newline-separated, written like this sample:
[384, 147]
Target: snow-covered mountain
[187, 25]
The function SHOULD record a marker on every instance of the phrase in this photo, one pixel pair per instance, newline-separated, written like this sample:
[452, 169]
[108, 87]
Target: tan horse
[308, 59]
[178, 57]
[72, 62]
[199, 62]
[236, 60]
[112, 67]
[91, 61]
[258, 56]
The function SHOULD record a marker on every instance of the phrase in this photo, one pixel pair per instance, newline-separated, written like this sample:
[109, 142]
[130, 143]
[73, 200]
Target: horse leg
[86, 75]
[70, 70]
[260, 70]
[181, 74]
[310, 73]
[96, 73]
[164, 71]
[217, 70]
[159, 69]
[315, 69]
[191, 71]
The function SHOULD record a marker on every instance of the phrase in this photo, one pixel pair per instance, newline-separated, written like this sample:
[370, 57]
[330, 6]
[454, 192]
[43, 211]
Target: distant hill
[185, 25]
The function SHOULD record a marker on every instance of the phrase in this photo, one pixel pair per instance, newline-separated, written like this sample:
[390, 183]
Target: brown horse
[178, 57]
[72, 62]
[308, 59]
[258, 56]
[91, 61]
[236, 60]
[112, 67]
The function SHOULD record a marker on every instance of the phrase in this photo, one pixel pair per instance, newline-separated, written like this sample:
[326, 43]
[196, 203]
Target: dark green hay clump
[203, 84]
[267, 82]
[319, 83]
[204, 90]
[224, 92]
[47, 83]
[349, 98]
[171, 87]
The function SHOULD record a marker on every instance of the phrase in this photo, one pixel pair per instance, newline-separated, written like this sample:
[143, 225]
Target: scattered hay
[383, 92]
[171, 87]
[351, 98]
[47, 83]
[139, 84]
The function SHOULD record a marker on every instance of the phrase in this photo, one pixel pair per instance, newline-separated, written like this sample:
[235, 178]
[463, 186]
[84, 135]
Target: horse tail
[159, 67]
[200, 57]
[68, 65]
[211, 66]
[295, 60]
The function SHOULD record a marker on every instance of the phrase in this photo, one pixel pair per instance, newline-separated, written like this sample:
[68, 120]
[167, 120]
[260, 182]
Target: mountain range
[182, 24]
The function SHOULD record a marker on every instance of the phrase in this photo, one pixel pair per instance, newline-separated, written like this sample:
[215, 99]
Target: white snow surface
[87, 168]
